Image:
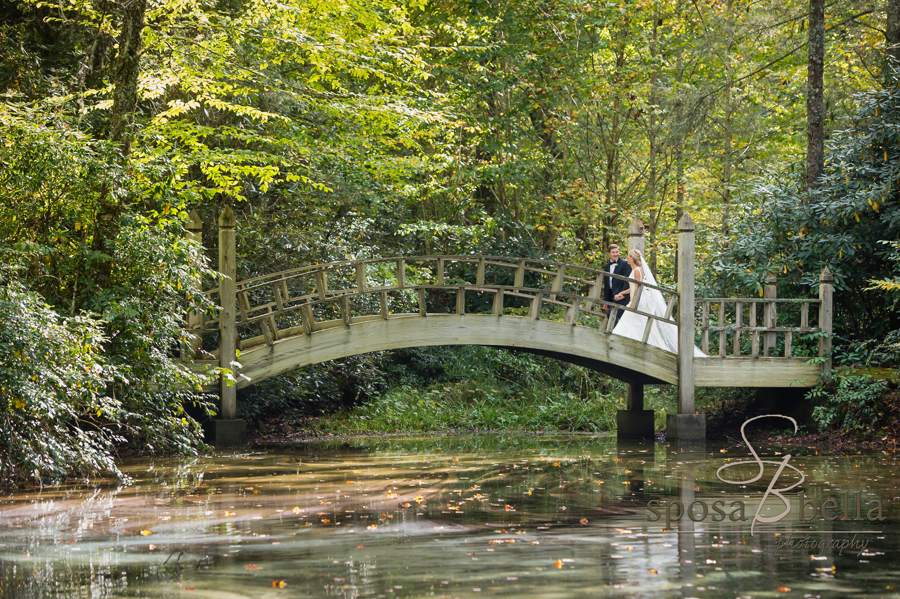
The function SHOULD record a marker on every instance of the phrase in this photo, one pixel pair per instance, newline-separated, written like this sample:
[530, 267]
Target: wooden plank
[704, 316]
[723, 339]
[686, 281]
[422, 305]
[460, 300]
[787, 344]
[536, 305]
[596, 292]
[572, 312]
[558, 281]
[440, 271]
[309, 322]
[361, 278]
[738, 326]
[335, 341]
[267, 334]
[611, 319]
[498, 303]
[670, 307]
[826, 291]
[346, 316]
[278, 302]
[321, 283]
[382, 298]
[401, 273]
[243, 305]
[479, 275]
[804, 315]
[272, 325]
[647, 328]
[754, 336]
[770, 292]
[755, 372]
[285, 295]
[520, 275]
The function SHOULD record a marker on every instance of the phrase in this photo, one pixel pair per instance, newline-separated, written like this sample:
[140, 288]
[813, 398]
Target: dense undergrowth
[454, 389]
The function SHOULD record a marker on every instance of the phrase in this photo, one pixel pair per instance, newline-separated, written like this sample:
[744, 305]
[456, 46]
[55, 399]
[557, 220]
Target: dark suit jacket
[618, 285]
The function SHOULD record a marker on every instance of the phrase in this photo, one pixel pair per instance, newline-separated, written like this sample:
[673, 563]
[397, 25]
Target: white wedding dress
[663, 335]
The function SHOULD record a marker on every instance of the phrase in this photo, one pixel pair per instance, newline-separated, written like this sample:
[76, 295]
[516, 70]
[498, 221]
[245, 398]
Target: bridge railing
[767, 326]
[734, 327]
[311, 298]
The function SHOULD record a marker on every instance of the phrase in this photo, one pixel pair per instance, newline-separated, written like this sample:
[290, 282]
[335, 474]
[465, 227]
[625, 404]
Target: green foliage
[53, 404]
[783, 229]
[853, 404]
[124, 332]
[482, 388]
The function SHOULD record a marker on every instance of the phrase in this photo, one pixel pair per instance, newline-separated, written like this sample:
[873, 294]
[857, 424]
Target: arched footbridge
[316, 313]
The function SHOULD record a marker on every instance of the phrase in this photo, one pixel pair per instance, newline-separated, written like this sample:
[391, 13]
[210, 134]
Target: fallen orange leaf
[558, 563]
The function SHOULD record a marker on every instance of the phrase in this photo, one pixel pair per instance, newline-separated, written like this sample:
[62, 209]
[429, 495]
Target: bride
[662, 334]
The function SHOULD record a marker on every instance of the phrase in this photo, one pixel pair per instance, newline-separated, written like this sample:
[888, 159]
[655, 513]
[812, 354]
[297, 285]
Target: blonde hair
[636, 255]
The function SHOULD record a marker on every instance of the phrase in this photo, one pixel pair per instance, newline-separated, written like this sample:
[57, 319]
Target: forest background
[342, 129]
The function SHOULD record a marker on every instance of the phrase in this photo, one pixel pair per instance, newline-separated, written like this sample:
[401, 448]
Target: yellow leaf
[19, 404]
[146, 532]
[98, 411]
[857, 216]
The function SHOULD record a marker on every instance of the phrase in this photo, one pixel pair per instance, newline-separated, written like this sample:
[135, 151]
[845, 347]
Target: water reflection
[518, 515]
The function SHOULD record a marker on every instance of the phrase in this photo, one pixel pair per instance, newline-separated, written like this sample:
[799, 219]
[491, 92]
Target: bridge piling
[634, 422]
[685, 425]
[227, 430]
[826, 291]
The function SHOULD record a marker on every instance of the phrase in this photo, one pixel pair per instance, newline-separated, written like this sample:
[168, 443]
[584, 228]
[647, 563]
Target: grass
[489, 404]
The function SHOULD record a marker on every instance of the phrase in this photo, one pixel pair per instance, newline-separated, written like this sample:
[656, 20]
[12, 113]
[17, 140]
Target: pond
[511, 515]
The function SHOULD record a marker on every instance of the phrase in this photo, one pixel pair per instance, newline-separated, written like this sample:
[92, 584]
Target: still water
[472, 516]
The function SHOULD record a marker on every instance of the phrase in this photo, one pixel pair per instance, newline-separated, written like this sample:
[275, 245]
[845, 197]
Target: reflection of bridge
[295, 318]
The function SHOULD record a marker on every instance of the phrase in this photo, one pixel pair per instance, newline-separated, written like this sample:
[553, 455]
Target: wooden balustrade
[295, 296]
[724, 317]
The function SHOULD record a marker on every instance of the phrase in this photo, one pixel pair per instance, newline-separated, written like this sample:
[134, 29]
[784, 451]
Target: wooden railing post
[228, 315]
[194, 317]
[686, 315]
[685, 425]
[770, 292]
[826, 291]
[636, 235]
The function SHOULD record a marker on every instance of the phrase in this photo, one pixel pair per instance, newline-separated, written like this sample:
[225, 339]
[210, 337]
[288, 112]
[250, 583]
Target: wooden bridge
[312, 314]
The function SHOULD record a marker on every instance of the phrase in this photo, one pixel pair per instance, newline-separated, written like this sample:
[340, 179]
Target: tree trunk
[815, 105]
[125, 83]
[652, 178]
[727, 150]
[892, 38]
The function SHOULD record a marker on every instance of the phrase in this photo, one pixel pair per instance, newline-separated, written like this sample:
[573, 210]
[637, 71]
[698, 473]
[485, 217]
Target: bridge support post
[636, 235]
[634, 422]
[685, 425]
[770, 292]
[227, 431]
[826, 293]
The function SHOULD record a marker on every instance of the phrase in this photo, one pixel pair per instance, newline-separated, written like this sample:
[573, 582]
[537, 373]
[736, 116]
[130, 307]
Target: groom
[616, 291]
